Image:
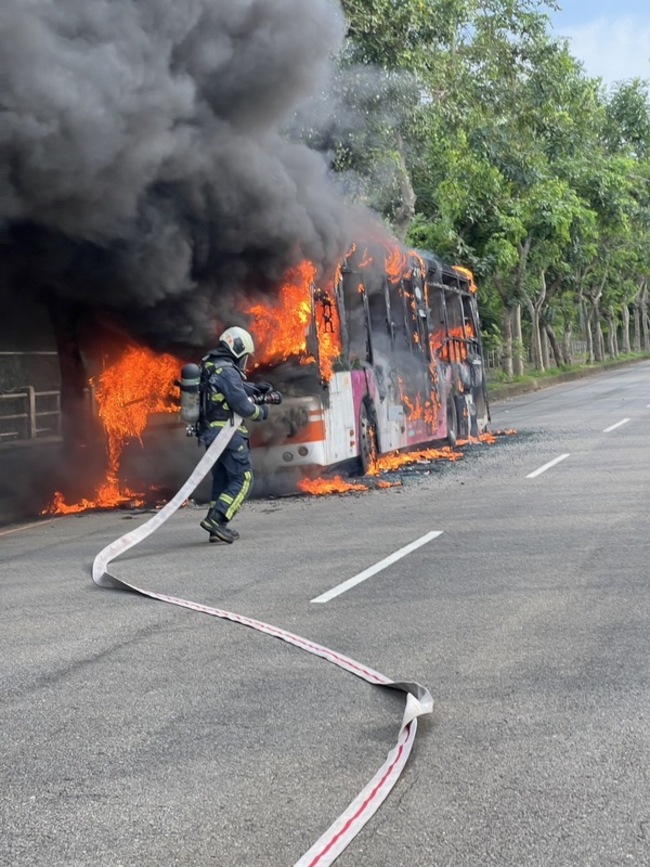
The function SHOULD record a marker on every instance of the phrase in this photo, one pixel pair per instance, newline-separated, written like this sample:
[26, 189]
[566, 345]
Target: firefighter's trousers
[232, 477]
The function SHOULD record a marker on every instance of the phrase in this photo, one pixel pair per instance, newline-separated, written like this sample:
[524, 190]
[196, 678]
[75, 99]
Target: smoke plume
[142, 165]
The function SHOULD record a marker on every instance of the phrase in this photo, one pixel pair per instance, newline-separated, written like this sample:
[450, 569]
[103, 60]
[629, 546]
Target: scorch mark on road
[372, 570]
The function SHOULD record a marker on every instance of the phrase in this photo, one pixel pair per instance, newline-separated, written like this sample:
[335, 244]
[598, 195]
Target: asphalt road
[137, 733]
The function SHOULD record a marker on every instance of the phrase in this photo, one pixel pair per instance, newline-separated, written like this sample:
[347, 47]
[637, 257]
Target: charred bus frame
[410, 372]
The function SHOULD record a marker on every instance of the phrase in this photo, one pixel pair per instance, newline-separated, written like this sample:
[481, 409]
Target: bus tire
[452, 421]
[367, 449]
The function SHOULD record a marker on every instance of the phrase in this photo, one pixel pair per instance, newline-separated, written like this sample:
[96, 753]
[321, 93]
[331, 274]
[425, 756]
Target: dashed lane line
[542, 469]
[26, 527]
[618, 424]
[378, 567]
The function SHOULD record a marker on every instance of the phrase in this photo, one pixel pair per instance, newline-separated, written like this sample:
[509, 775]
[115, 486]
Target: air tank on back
[190, 383]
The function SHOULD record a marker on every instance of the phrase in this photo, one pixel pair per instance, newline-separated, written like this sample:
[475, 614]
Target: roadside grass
[498, 382]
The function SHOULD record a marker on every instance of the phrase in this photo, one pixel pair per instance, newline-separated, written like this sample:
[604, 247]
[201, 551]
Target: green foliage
[524, 168]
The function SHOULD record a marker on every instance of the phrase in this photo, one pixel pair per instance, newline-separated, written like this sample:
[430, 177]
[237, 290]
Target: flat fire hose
[418, 699]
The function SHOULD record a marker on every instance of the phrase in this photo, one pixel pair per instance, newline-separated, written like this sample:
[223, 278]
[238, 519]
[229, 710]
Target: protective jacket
[224, 391]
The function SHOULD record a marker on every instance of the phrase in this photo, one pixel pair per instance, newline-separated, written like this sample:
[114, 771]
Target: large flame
[328, 333]
[281, 327]
[127, 393]
[396, 261]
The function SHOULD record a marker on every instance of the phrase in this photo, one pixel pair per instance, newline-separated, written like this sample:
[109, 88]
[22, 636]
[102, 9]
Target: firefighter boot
[215, 524]
[215, 538]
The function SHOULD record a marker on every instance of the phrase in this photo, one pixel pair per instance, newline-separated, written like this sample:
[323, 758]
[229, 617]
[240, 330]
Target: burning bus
[386, 357]
[150, 218]
[383, 358]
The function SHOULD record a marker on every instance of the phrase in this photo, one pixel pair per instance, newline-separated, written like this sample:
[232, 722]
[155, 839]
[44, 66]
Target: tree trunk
[566, 343]
[536, 351]
[626, 330]
[555, 346]
[611, 335]
[637, 327]
[599, 340]
[545, 355]
[586, 319]
[645, 321]
[506, 351]
[518, 342]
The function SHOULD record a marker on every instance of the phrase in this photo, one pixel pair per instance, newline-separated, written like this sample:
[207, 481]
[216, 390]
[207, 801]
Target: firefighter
[224, 391]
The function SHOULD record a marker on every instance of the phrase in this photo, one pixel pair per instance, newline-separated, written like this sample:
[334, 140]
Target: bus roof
[453, 276]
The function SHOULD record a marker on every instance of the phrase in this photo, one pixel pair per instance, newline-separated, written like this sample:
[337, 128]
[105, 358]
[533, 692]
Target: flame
[336, 485]
[389, 462]
[139, 384]
[458, 337]
[486, 437]
[328, 332]
[395, 460]
[418, 410]
[465, 272]
[396, 262]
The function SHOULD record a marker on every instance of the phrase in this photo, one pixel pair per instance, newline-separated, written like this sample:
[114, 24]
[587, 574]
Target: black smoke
[143, 167]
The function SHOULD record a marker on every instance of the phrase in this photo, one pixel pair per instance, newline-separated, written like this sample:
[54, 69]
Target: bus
[393, 360]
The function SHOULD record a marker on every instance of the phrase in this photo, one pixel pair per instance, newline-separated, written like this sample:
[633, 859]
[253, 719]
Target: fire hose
[418, 699]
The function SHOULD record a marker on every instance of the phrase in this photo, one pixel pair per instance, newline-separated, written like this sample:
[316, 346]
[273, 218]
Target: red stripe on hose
[365, 804]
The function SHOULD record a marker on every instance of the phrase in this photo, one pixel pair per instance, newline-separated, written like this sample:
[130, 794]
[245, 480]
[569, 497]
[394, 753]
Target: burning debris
[390, 464]
[337, 485]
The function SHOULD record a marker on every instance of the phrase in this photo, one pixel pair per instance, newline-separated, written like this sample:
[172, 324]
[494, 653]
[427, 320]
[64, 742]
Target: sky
[611, 39]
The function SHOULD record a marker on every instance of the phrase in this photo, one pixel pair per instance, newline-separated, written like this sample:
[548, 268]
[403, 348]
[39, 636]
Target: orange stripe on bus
[310, 433]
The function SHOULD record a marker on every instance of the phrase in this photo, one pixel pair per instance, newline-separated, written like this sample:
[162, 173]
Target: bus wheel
[367, 449]
[452, 421]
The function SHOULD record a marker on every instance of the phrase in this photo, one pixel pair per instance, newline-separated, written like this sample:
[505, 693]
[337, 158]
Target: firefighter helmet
[238, 342]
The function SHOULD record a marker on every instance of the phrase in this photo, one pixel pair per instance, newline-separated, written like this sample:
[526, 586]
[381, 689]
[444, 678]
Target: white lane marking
[614, 426]
[26, 526]
[540, 470]
[372, 570]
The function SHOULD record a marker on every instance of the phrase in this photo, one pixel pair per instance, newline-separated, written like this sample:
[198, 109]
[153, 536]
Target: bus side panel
[341, 420]
[291, 444]
[391, 426]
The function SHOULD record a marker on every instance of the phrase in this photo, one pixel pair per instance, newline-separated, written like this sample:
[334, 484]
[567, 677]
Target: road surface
[137, 733]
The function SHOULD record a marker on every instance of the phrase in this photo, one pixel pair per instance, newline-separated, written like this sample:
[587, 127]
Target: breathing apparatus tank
[189, 384]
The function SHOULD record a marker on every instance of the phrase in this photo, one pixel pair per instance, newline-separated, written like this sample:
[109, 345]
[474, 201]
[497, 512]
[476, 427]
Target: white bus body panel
[340, 424]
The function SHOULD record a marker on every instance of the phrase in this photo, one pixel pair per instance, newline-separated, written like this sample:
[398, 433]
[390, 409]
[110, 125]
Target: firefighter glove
[263, 387]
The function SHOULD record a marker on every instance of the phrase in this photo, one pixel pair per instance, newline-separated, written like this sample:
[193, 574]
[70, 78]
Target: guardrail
[32, 414]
